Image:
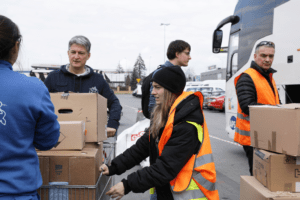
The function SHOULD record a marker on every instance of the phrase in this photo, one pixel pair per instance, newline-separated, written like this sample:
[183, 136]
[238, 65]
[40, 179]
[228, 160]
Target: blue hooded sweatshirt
[27, 121]
[63, 81]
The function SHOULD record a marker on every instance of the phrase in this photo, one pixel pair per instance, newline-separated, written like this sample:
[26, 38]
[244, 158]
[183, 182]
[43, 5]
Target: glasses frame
[19, 38]
[266, 43]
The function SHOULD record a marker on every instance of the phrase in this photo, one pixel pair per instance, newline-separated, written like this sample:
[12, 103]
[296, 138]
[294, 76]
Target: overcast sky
[119, 30]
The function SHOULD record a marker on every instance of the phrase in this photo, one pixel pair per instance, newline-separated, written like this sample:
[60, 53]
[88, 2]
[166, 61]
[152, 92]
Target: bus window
[234, 63]
[232, 55]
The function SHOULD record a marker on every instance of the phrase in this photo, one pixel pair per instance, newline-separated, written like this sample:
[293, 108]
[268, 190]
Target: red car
[217, 102]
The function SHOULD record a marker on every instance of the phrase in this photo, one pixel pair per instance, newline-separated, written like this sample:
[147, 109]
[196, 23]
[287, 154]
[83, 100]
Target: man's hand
[117, 191]
[110, 132]
[104, 169]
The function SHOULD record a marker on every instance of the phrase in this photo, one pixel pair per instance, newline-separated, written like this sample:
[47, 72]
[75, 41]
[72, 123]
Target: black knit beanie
[171, 78]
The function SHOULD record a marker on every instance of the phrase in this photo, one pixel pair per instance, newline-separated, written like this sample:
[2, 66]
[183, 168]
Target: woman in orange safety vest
[181, 163]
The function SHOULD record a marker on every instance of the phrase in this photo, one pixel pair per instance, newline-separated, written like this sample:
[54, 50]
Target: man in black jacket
[245, 86]
[78, 77]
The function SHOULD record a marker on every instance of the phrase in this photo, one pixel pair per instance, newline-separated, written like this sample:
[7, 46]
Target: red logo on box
[135, 136]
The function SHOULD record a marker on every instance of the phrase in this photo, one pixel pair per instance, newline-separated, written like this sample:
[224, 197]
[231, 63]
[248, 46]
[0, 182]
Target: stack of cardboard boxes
[275, 136]
[76, 158]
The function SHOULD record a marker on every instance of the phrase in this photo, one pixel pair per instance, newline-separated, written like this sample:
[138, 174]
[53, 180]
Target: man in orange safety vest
[255, 86]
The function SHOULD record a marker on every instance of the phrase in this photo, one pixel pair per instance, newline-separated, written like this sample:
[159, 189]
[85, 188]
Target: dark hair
[9, 34]
[177, 46]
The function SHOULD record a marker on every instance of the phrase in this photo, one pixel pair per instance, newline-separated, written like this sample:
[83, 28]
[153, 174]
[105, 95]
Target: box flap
[286, 106]
[291, 106]
[262, 154]
[257, 187]
[86, 152]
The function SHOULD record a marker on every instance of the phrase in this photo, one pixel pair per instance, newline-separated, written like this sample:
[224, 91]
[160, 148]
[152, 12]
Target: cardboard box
[93, 145]
[252, 189]
[88, 107]
[278, 172]
[97, 146]
[74, 167]
[276, 128]
[72, 136]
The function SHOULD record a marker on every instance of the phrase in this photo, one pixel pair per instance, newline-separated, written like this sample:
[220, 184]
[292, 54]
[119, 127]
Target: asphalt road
[230, 159]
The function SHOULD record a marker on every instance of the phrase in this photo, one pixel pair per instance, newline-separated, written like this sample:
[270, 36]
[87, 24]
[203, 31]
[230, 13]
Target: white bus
[254, 21]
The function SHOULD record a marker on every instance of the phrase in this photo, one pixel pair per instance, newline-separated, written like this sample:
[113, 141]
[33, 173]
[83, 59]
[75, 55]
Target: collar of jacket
[260, 70]
[168, 64]
[189, 110]
[5, 65]
[65, 71]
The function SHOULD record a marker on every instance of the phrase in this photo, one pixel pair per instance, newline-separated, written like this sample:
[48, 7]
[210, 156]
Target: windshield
[205, 89]
[201, 89]
[219, 93]
[191, 90]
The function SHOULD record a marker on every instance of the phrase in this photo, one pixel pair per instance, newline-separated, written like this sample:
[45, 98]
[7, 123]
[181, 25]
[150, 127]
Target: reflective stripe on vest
[152, 190]
[265, 95]
[196, 180]
[242, 132]
[247, 118]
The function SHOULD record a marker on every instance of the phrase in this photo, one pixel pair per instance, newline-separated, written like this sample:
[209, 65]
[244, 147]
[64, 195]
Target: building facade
[217, 74]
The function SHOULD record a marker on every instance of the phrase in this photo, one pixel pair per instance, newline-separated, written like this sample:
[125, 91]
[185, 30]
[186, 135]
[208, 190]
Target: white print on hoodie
[2, 114]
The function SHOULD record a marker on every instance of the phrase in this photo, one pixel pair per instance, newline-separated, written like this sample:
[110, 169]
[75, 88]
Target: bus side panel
[287, 44]
[230, 108]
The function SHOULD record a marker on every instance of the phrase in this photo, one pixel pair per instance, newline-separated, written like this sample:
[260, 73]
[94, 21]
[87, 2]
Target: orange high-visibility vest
[265, 95]
[200, 170]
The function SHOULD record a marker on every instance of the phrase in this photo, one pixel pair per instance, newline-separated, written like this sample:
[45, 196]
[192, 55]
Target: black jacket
[245, 88]
[178, 150]
[63, 81]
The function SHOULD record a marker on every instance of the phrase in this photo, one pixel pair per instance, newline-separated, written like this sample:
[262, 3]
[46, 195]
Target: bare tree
[139, 71]
[140, 67]
[119, 69]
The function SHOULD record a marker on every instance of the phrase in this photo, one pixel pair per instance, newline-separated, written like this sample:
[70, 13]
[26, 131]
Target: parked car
[206, 97]
[138, 91]
[207, 93]
[217, 102]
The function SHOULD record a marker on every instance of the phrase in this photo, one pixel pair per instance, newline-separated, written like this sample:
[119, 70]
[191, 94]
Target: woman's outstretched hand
[117, 191]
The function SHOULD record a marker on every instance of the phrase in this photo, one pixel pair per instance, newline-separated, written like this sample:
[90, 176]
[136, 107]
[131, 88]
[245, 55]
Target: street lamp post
[162, 24]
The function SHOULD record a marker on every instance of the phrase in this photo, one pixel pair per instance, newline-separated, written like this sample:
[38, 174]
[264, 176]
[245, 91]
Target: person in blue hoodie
[27, 121]
[78, 77]
[178, 54]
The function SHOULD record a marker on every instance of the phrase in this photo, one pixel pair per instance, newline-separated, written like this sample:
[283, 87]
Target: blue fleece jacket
[27, 121]
[152, 102]
[62, 81]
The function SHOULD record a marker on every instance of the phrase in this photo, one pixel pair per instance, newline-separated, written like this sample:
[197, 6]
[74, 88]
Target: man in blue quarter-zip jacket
[78, 77]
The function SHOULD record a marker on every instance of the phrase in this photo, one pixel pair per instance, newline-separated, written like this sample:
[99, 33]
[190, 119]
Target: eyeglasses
[187, 53]
[19, 38]
[266, 43]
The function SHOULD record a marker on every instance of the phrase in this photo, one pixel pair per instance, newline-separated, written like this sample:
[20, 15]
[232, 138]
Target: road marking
[225, 141]
[131, 107]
